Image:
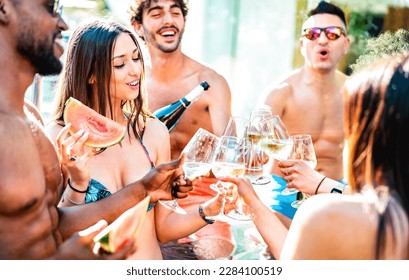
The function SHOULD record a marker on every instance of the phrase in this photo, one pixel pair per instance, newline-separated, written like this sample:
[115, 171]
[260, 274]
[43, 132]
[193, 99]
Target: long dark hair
[89, 55]
[376, 124]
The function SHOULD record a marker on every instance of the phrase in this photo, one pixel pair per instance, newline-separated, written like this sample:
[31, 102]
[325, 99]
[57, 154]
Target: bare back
[30, 184]
[347, 228]
[313, 107]
[211, 111]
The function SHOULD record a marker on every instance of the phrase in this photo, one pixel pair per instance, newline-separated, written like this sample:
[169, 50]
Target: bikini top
[97, 191]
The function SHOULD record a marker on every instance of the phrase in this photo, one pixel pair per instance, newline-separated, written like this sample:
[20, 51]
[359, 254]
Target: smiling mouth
[168, 33]
[134, 83]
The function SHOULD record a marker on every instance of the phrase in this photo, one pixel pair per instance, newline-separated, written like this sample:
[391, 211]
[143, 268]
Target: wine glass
[229, 160]
[236, 127]
[255, 165]
[257, 129]
[199, 153]
[303, 150]
[277, 143]
[198, 161]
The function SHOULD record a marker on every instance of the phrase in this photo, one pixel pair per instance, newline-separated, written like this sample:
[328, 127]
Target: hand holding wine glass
[229, 161]
[277, 142]
[303, 150]
[198, 155]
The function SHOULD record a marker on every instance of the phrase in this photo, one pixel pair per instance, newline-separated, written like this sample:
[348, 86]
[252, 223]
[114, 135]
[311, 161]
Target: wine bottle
[171, 114]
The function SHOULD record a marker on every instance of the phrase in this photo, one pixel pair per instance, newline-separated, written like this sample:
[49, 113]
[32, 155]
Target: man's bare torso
[195, 116]
[199, 114]
[312, 109]
[30, 186]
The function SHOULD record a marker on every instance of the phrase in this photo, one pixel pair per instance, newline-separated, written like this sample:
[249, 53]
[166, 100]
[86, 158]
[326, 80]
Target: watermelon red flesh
[103, 132]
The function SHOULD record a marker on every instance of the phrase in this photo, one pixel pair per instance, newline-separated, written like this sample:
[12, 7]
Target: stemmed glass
[303, 150]
[277, 143]
[257, 129]
[236, 127]
[199, 153]
[229, 160]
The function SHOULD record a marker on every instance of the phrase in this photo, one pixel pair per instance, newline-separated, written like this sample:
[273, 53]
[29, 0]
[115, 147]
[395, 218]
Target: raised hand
[244, 188]
[72, 155]
[300, 175]
[214, 205]
[160, 181]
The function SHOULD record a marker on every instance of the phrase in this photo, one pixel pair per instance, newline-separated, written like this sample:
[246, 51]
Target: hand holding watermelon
[79, 244]
[86, 128]
[72, 155]
[123, 229]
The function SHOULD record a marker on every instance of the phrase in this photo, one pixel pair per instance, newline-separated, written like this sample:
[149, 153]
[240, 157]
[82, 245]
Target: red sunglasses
[331, 32]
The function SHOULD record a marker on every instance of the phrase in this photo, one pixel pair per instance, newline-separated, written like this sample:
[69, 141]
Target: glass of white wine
[199, 153]
[229, 161]
[257, 129]
[277, 143]
[303, 150]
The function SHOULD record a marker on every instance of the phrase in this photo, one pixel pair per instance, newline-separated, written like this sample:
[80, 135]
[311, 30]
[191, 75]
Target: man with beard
[31, 225]
[171, 75]
[309, 101]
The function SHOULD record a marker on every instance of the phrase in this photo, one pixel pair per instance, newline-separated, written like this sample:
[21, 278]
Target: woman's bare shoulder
[331, 226]
[153, 125]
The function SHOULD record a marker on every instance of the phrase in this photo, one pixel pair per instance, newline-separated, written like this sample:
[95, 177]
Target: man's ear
[138, 29]
[4, 12]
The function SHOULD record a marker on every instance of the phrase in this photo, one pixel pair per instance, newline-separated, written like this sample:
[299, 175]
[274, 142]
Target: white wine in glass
[257, 130]
[229, 161]
[277, 143]
[199, 154]
[303, 150]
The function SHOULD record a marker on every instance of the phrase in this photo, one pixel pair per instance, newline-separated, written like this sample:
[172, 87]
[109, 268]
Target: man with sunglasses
[309, 101]
[31, 183]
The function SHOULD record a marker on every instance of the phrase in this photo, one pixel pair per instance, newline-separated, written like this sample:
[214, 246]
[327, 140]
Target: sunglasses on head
[55, 8]
[332, 32]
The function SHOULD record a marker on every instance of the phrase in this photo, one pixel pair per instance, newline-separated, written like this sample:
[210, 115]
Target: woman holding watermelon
[104, 71]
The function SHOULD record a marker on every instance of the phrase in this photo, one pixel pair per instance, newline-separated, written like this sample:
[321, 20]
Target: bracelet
[203, 216]
[71, 200]
[319, 185]
[76, 190]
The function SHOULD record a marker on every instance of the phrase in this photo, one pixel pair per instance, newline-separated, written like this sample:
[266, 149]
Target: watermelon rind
[82, 117]
[130, 222]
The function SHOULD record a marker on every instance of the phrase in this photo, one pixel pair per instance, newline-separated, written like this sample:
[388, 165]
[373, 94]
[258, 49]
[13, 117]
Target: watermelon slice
[126, 226]
[103, 132]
